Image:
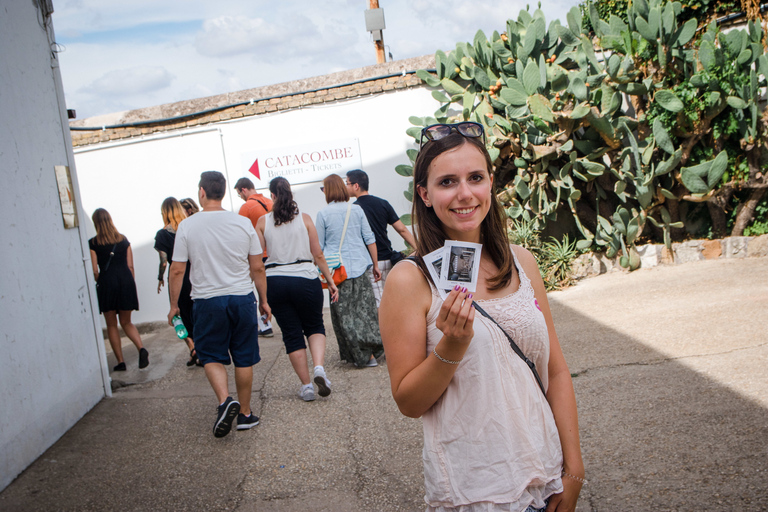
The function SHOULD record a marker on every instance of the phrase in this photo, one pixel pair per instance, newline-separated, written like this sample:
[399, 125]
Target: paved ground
[670, 378]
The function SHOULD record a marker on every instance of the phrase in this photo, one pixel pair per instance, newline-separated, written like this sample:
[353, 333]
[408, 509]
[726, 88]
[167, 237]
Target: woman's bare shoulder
[406, 282]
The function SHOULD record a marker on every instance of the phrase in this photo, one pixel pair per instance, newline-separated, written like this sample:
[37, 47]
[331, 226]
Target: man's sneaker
[323, 384]
[266, 333]
[228, 411]
[143, 358]
[245, 422]
[307, 393]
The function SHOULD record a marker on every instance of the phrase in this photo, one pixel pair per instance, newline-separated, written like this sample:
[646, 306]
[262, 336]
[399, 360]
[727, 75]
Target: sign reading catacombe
[305, 163]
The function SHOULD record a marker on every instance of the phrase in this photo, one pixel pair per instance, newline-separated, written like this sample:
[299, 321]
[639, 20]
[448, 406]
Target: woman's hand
[160, 284]
[376, 273]
[457, 317]
[333, 291]
[566, 500]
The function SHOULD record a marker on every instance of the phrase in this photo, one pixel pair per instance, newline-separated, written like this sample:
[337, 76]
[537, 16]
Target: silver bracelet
[443, 359]
[583, 481]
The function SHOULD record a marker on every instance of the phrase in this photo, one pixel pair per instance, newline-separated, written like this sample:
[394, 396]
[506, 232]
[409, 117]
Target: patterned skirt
[356, 321]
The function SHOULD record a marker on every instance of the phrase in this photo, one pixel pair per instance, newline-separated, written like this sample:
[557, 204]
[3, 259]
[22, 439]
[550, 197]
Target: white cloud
[128, 55]
[138, 80]
[230, 35]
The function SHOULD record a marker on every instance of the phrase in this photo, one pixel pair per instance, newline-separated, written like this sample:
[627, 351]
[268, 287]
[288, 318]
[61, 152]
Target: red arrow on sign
[255, 169]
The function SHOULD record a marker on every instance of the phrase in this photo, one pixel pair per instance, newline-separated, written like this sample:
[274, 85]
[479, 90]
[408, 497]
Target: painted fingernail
[464, 290]
[457, 287]
[469, 296]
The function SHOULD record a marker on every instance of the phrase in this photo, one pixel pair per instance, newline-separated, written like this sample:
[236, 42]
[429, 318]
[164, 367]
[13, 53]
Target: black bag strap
[111, 253]
[273, 265]
[512, 343]
[262, 205]
[514, 346]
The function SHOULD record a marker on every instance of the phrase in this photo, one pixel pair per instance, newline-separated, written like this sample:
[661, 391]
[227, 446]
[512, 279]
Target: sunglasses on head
[439, 131]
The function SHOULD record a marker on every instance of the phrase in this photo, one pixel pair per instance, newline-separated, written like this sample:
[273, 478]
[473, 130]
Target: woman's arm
[129, 258]
[560, 396]
[260, 226]
[95, 265]
[320, 227]
[419, 379]
[319, 257]
[161, 270]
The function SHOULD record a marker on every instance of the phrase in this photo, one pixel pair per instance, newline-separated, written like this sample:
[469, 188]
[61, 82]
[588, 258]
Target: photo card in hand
[434, 262]
[461, 265]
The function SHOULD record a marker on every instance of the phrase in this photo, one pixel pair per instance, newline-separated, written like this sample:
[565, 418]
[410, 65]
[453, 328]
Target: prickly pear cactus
[615, 130]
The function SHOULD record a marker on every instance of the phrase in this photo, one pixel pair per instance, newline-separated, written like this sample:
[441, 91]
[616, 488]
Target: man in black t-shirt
[379, 214]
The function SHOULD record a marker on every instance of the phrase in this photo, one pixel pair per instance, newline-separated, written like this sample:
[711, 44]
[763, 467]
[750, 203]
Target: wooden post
[380, 58]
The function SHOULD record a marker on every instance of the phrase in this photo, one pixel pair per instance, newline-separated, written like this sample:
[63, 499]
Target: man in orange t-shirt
[256, 206]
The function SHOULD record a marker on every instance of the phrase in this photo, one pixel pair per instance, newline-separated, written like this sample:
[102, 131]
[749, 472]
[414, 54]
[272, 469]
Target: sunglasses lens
[470, 129]
[437, 132]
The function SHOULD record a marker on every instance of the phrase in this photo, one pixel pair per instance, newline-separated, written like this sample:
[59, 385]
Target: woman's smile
[458, 189]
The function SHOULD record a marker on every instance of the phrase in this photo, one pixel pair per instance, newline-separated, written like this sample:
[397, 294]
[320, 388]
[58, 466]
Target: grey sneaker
[307, 393]
[323, 384]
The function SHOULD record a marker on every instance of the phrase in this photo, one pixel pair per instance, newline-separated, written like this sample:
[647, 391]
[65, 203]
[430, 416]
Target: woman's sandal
[193, 360]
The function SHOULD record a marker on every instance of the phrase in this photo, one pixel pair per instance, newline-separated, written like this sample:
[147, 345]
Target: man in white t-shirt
[226, 259]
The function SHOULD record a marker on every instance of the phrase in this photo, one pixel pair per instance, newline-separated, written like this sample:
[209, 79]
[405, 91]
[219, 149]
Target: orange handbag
[339, 276]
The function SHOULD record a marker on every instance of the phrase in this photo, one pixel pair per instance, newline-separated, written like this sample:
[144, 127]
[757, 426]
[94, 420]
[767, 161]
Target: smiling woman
[492, 440]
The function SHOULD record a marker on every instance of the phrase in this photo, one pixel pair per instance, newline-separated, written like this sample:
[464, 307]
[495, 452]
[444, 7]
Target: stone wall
[652, 255]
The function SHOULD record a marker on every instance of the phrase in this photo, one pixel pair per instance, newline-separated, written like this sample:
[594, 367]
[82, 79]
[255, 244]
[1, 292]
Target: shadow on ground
[669, 375]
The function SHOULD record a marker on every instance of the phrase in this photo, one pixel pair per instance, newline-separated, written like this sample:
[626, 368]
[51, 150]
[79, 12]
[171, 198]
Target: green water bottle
[181, 331]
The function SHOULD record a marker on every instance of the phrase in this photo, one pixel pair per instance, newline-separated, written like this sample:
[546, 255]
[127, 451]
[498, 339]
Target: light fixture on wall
[374, 23]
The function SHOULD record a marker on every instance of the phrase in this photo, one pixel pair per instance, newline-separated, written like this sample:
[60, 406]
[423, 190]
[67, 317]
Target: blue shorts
[227, 325]
[297, 305]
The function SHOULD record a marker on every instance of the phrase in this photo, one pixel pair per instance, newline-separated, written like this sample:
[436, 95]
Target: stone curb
[653, 255]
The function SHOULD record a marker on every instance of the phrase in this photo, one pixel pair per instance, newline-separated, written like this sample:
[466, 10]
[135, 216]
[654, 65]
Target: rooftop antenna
[374, 23]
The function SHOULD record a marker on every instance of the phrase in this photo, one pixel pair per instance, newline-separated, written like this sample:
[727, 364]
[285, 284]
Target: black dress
[116, 288]
[164, 241]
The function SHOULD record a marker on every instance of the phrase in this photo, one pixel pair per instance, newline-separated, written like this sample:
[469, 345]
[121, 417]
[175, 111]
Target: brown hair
[190, 204]
[335, 190]
[285, 208]
[172, 212]
[243, 183]
[429, 232]
[106, 232]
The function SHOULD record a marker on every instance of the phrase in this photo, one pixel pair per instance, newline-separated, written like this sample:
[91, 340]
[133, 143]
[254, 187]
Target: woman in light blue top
[353, 315]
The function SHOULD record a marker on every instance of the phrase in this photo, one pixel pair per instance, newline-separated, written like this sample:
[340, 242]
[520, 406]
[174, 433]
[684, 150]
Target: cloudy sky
[120, 55]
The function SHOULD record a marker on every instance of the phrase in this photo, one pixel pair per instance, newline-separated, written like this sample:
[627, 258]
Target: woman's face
[459, 190]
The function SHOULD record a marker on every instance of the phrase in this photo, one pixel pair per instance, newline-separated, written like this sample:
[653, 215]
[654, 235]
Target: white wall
[52, 367]
[131, 178]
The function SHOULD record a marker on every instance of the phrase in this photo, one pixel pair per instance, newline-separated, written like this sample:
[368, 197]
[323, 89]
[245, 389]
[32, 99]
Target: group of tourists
[483, 368]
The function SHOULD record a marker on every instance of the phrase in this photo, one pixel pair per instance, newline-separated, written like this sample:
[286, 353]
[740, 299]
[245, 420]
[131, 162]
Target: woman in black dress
[112, 261]
[173, 213]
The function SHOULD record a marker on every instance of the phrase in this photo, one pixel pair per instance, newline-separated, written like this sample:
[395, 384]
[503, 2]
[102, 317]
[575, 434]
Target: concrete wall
[131, 177]
[52, 362]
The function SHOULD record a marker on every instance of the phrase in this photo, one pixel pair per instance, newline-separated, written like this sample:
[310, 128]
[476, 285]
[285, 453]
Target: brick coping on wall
[344, 85]
[653, 255]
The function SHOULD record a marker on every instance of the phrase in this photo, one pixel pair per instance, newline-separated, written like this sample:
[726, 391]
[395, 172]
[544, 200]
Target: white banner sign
[305, 163]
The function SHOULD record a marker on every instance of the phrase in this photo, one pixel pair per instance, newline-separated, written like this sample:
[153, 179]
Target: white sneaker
[307, 393]
[323, 384]
[371, 363]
